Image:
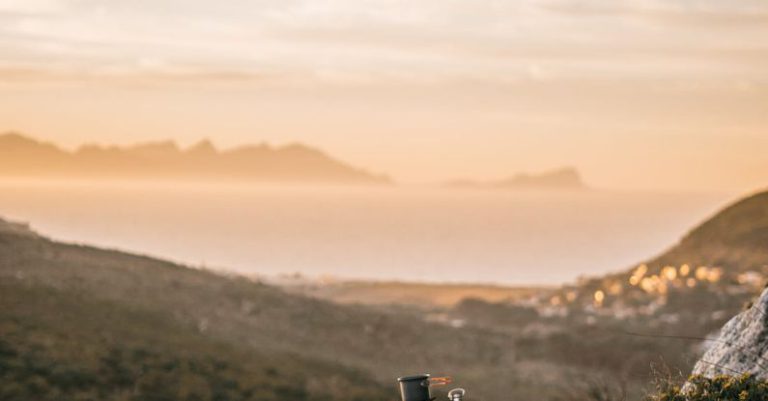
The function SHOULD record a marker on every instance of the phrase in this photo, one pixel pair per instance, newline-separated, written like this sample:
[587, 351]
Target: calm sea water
[428, 234]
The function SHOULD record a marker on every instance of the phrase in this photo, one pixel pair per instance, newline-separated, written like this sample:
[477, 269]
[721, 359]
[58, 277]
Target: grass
[58, 344]
[720, 388]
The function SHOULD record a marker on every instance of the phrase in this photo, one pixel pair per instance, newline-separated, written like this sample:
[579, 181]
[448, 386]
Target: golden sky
[636, 94]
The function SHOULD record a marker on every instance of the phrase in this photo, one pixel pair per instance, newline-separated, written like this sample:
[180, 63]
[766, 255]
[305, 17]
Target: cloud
[376, 40]
[141, 73]
[671, 14]
[31, 6]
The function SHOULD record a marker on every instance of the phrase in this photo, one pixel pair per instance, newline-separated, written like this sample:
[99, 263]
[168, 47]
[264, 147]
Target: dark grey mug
[416, 387]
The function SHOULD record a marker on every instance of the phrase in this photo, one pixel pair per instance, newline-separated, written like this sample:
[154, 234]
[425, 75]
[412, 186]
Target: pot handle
[437, 381]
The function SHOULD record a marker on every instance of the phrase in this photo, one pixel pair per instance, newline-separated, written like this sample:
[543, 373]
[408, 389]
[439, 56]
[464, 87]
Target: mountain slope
[657, 313]
[333, 343]
[714, 268]
[59, 344]
[27, 158]
[736, 238]
[60, 338]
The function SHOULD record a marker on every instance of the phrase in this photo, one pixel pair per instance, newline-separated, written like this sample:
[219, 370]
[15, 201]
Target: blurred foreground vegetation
[720, 388]
[61, 345]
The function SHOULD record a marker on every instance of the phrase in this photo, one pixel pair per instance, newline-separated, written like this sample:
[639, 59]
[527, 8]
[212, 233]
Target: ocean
[379, 233]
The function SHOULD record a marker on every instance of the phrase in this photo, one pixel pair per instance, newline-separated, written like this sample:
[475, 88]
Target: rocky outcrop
[742, 346]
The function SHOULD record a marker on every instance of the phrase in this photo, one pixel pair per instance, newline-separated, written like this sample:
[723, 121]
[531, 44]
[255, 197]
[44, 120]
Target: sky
[637, 94]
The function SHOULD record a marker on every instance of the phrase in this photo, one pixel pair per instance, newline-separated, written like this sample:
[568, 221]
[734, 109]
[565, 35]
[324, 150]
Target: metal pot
[416, 387]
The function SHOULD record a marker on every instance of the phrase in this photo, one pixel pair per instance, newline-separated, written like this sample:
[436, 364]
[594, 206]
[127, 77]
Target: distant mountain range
[566, 178]
[24, 157]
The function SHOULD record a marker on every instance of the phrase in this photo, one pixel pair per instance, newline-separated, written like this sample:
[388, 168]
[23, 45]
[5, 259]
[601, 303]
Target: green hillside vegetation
[721, 388]
[703, 280]
[80, 304]
[59, 344]
[79, 323]
[735, 239]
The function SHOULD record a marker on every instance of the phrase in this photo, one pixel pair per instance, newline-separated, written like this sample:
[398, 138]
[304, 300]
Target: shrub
[721, 388]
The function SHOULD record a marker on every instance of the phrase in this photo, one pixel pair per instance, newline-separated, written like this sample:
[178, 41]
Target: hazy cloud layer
[380, 41]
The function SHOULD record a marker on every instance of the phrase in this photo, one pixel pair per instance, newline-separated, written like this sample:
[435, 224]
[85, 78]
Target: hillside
[23, 157]
[735, 239]
[183, 322]
[62, 339]
[716, 266]
[656, 314]
[58, 344]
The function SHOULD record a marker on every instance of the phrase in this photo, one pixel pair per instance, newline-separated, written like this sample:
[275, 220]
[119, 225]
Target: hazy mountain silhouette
[563, 178]
[24, 157]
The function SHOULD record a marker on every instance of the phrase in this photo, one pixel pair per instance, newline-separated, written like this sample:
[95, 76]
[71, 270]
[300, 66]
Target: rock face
[742, 346]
